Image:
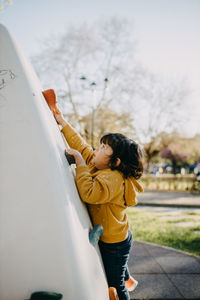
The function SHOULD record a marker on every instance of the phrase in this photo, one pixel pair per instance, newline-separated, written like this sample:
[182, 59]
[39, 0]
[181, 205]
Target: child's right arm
[74, 140]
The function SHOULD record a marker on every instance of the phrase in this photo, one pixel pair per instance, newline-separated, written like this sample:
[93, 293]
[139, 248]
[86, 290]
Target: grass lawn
[180, 230]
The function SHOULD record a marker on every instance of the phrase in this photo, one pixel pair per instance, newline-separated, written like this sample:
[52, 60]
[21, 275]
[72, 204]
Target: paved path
[169, 199]
[164, 273]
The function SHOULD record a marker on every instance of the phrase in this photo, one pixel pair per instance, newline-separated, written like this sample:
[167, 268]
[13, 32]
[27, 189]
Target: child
[107, 180]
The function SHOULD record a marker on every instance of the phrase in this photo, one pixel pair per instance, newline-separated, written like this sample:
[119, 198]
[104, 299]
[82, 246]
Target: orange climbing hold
[113, 293]
[50, 97]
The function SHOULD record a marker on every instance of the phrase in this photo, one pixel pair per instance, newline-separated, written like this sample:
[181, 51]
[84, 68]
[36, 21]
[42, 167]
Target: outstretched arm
[72, 137]
[60, 118]
[74, 140]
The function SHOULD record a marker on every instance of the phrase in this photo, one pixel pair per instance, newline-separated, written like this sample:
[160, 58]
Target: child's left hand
[77, 156]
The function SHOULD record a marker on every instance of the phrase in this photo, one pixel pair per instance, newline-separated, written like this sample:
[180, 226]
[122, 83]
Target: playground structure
[44, 226]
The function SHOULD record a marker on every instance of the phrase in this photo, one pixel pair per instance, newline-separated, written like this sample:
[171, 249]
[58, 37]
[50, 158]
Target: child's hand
[59, 117]
[77, 156]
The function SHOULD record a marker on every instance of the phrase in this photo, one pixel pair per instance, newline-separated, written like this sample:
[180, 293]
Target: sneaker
[131, 284]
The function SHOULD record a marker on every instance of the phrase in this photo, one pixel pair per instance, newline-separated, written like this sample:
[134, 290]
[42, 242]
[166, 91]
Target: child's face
[102, 156]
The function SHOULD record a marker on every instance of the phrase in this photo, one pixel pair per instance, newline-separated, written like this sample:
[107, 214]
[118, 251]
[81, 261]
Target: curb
[167, 248]
[168, 205]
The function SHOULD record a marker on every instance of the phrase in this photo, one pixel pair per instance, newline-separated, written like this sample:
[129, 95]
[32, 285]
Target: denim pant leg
[115, 258]
[127, 274]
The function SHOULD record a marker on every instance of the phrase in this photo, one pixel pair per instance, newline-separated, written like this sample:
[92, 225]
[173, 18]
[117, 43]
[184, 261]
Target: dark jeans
[115, 259]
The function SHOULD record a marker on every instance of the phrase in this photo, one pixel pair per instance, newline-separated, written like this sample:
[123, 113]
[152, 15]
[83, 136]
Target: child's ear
[118, 162]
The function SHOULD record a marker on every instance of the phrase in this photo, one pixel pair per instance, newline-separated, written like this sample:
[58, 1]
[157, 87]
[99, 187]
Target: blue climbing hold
[95, 234]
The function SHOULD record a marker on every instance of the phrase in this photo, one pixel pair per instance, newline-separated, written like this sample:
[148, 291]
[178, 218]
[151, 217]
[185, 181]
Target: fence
[166, 182]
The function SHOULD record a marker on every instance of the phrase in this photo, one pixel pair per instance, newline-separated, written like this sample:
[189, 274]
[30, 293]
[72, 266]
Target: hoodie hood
[132, 187]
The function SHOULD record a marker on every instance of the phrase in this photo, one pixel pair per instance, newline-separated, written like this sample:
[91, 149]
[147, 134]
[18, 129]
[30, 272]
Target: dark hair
[130, 153]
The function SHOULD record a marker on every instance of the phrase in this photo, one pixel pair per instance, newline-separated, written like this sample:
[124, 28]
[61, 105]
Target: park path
[164, 273]
[158, 198]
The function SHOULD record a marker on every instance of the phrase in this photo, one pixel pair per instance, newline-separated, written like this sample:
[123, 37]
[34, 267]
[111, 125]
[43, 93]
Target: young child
[107, 180]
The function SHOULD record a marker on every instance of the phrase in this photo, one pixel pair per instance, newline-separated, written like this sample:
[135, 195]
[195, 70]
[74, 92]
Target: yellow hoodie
[106, 191]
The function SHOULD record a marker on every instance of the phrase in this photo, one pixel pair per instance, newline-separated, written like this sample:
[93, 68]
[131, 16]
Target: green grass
[150, 227]
[192, 213]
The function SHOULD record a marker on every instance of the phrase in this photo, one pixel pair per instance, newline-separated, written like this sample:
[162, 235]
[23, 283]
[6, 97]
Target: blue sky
[166, 31]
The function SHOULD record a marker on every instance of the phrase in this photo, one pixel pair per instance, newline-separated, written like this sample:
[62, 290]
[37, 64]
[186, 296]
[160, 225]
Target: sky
[167, 33]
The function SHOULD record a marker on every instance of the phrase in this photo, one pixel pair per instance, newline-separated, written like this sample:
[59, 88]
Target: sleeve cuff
[68, 131]
[81, 169]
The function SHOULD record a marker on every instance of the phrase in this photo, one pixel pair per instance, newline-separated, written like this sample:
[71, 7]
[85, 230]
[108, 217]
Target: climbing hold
[45, 296]
[113, 293]
[50, 98]
[95, 234]
[70, 158]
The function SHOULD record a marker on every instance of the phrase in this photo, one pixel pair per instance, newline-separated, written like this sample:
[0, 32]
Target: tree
[175, 156]
[85, 57]
[179, 150]
[107, 51]
[3, 3]
[161, 106]
[152, 149]
[107, 121]
[173, 147]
